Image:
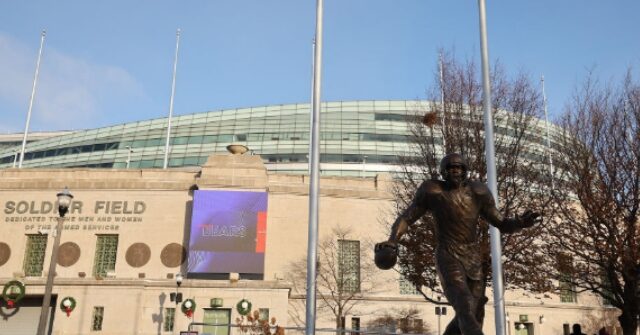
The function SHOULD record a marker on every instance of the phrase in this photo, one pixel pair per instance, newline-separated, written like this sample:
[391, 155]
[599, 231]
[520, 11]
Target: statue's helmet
[453, 159]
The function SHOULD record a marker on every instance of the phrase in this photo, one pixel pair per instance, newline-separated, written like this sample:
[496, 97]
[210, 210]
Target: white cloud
[67, 85]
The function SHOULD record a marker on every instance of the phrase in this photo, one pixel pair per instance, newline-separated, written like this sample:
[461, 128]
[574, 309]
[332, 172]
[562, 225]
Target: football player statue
[456, 204]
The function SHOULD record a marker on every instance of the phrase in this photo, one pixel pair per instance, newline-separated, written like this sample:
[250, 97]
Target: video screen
[228, 232]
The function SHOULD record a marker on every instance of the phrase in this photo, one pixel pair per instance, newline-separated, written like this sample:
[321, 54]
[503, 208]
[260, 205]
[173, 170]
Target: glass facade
[357, 138]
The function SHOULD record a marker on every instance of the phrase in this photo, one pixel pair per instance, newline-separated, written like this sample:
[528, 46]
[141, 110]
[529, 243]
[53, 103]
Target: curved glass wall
[357, 138]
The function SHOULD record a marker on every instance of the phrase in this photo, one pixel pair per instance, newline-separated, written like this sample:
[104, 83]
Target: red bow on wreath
[67, 305]
[188, 306]
[13, 292]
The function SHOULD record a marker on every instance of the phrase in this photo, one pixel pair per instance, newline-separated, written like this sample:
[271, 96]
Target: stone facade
[150, 212]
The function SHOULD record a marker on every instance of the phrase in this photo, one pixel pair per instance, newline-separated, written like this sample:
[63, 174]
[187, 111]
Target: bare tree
[343, 277]
[522, 175]
[407, 320]
[592, 321]
[596, 238]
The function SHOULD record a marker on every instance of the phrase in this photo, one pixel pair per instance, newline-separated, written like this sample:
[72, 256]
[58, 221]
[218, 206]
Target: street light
[176, 296]
[440, 311]
[64, 201]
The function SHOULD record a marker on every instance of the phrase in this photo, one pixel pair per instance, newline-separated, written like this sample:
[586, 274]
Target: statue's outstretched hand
[529, 218]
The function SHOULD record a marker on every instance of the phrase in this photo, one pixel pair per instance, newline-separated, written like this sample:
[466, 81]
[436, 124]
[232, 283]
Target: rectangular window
[169, 319]
[565, 285]
[418, 326]
[264, 314]
[98, 316]
[407, 287]
[607, 294]
[349, 266]
[355, 325]
[105, 259]
[221, 317]
[567, 290]
[34, 255]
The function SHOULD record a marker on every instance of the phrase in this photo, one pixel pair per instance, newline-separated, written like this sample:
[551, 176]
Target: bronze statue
[456, 204]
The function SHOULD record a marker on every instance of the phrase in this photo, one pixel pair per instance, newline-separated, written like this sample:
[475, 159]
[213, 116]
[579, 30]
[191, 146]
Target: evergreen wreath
[10, 297]
[188, 311]
[70, 308]
[243, 307]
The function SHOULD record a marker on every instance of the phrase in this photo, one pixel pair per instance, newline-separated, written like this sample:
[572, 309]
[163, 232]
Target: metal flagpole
[444, 143]
[546, 120]
[173, 92]
[313, 78]
[314, 184]
[496, 245]
[33, 94]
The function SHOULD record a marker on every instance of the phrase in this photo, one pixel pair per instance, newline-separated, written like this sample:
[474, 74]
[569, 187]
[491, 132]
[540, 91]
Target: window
[418, 326]
[607, 293]
[567, 290]
[264, 314]
[355, 325]
[407, 287]
[169, 319]
[106, 250]
[349, 266]
[98, 316]
[565, 285]
[34, 256]
[221, 317]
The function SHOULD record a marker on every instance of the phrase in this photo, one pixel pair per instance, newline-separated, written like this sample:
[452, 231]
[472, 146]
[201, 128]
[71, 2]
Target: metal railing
[234, 329]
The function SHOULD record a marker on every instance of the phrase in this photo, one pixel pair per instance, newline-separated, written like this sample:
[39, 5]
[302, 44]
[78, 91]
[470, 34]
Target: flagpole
[173, 91]
[496, 245]
[33, 94]
[546, 120]
[441, 63]
[313, 78]
[314, 183]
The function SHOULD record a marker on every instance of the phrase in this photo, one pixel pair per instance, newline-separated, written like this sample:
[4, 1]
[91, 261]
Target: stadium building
[358, 138]
[233, 226]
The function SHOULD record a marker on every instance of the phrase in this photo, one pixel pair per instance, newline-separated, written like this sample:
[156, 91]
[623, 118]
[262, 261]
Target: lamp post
[64, 200]
[176, 296]
[440, 311]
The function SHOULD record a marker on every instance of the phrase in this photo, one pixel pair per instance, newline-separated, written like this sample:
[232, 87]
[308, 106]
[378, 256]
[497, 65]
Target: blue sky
[109, 62]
